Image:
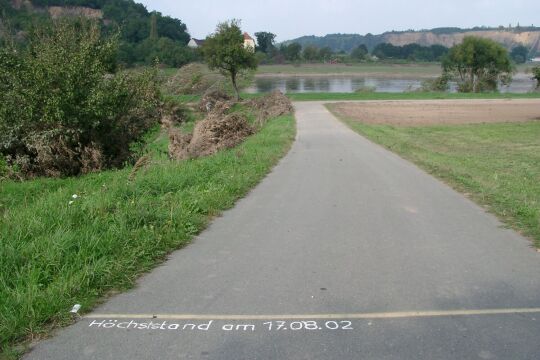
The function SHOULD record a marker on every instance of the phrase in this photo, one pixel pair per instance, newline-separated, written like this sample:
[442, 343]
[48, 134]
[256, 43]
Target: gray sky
[293, 18]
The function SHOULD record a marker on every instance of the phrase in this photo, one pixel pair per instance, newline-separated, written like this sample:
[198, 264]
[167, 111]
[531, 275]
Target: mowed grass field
[496, 164]
[70, 241]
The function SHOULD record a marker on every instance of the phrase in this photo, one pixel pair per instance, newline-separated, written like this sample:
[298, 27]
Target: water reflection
[346, 84]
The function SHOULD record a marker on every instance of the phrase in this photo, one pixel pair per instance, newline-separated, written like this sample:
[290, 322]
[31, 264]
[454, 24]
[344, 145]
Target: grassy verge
[407, 96]
[54, 253]
[497, 164]
[379, 96]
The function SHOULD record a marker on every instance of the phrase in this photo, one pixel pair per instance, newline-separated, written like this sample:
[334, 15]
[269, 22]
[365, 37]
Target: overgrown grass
[57, 250]
[498, 164]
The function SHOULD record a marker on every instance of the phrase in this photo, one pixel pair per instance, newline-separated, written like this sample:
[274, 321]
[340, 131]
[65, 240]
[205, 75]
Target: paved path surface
[341, 229]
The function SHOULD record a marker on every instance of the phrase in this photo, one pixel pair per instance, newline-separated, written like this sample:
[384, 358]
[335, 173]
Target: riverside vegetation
[80, 216]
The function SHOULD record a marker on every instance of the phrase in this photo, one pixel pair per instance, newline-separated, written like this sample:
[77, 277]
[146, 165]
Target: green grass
[407, 96]
[379, 96]
[498, 163]
[54, 255]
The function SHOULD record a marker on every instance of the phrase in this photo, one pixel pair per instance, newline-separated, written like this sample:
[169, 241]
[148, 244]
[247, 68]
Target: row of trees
[268, 52]
[144, 36]
[412, 52]
[294, 52]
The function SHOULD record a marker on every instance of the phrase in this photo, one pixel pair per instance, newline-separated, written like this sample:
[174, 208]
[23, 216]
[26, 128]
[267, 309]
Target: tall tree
[326, 53]
[519, 54]
[478, 65]
[536, 75]
[291, 51]
[265, 41]
[310, 53]
[224, 50]
[153, 27]
[360, 52]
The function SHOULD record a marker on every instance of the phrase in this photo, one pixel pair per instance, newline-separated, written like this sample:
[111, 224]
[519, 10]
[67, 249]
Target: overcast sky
[289, 19]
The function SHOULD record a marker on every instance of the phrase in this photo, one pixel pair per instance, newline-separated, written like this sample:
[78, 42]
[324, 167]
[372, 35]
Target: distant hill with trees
[145, 35]
[510, 37]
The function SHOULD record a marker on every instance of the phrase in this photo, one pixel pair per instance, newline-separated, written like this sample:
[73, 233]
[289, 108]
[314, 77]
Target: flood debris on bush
[65, 109]
[191, 79]
[221, 128]
[197, 79]
[270, 106]
[211, 98]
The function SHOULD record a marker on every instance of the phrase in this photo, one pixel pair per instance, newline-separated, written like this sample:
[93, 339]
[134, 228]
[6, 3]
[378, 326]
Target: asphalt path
[345, 251]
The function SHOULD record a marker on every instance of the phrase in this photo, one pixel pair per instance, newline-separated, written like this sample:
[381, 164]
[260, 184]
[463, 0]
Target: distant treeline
[294, 52]
[145, 36]
[455, 30]
[349, 42]
[413, 52]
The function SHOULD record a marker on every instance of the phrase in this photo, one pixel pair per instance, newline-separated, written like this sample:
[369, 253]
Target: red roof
[247, 37]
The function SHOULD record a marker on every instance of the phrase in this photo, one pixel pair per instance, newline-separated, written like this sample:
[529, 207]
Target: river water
[522, 83]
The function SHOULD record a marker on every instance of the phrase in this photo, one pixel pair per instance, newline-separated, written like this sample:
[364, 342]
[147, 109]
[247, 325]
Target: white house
[249, 43]
[536, 59]
[195, 43]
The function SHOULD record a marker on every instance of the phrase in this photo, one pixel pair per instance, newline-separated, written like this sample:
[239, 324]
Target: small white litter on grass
[75, 309]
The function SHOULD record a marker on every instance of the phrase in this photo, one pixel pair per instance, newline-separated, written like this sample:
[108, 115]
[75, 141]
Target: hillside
[509, 37]
[145, 35]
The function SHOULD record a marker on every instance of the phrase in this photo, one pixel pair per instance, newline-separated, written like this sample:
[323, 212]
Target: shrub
[64, 109]
[536, 75]
[478, 65]
[439, 84]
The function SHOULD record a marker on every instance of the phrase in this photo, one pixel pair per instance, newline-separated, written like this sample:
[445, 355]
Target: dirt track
[428, 112]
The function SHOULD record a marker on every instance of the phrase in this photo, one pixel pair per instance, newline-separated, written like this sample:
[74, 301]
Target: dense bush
[63, 109]
[439, 84]
[478, 65]
[536, 75]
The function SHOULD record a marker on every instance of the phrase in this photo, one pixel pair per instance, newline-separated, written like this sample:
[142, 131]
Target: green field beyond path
[497, 165]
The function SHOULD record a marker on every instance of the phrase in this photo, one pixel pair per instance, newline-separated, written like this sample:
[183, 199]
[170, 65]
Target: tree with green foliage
[360, 53]
[265, 41]
[325, 53]
[134, 22]
[536, 75]
[153, 27]
[224, 50]
[310, 53]
[292, 51]
[519, 54]
[478, 65]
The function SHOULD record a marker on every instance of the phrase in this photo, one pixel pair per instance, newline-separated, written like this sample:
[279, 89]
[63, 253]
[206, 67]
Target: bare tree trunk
[235, 86]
